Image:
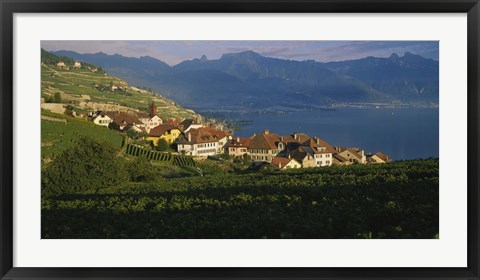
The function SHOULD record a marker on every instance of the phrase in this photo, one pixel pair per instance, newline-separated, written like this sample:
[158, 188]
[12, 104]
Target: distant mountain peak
[203, 58]
[247, 54]
[394, 56]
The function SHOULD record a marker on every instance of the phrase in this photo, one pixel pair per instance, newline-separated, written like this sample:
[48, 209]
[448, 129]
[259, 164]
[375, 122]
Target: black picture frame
[9, 7]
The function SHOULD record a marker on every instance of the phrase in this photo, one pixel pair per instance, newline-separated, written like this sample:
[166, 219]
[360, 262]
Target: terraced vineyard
[178, 160]
[85, 89]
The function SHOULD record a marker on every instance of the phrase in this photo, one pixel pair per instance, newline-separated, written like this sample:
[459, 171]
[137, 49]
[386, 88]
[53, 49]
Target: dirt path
[53, 119]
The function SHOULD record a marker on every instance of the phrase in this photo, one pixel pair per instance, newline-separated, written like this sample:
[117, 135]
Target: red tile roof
[123, 118]
[199, 136]
[268, 141]
[159, 130]
[280, 161]
[383, 157]
[239, 142]
[219, 133]
[300, 137]
[174, 122]
[340, 158]
[319, 143]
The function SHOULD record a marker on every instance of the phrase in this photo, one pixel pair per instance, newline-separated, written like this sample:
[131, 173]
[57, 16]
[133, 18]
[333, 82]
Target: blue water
[399, 133]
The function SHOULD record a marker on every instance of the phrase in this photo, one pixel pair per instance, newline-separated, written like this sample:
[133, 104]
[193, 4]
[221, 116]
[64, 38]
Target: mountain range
[248, 80]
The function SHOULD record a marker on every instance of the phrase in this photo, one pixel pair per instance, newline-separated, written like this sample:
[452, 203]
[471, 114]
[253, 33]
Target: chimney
[266, 131]
[189, 137]
[238, 139]
[295, 136]
[318, 141]
[280, 165]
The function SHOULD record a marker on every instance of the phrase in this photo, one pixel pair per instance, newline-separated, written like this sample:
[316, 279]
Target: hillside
[248, 80]
[89, 88]
[60, 132]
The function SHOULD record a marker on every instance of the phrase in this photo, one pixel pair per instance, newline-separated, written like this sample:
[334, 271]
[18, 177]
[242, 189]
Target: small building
[101, 119]
[339, 160]
[322, 151]
[77, 65]
[265, 147]
[378, 158]
[304, 156]
[123, 119]
[237, 146]
[353, 155]
[154, 122]
[188, 124]
[150, 122]
[285, 163]
[61, 64]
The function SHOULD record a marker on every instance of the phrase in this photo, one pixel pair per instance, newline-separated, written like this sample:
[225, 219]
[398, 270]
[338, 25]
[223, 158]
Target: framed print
[251, 140]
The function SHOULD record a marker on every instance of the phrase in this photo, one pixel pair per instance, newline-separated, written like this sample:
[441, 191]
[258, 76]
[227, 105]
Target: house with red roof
[265, 147]
[378, 157]
[237, 146]
[122, 121]
[285, 163]
[353, 155]
[201, 142]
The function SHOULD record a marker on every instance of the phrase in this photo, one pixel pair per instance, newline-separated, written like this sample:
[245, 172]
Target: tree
[162, 145]
[87, 166]
[132, 134]
[140, 170]
[57, 98]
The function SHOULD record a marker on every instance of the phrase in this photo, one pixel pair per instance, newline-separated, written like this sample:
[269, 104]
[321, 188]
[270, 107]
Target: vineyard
[178, 160]
[398, 200]
[58, 136]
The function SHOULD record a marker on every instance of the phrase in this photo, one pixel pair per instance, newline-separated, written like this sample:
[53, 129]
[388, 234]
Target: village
[199, 139]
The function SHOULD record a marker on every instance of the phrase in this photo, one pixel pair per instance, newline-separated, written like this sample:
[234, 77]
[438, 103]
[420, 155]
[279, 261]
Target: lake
[400, 133]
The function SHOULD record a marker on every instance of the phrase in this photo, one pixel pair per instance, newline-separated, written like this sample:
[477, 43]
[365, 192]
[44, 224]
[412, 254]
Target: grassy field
[56, 136]
[398, 200]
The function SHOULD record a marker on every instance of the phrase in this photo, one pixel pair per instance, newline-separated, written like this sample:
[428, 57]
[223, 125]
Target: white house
[321, 150]
[77, 65]
[153, 122]
[102, 119]
[198, 142]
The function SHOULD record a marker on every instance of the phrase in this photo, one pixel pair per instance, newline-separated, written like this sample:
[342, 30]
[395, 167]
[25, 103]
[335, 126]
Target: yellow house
[164, 131]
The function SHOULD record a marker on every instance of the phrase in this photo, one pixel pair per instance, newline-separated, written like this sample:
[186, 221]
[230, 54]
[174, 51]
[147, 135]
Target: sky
[174, 52]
